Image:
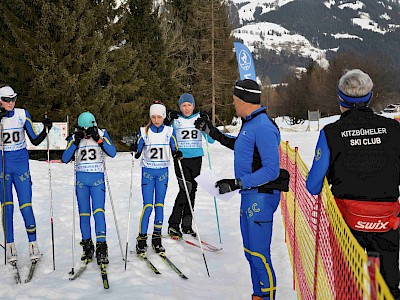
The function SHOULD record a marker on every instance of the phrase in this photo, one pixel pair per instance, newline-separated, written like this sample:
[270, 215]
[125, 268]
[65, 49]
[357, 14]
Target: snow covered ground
[229, 270]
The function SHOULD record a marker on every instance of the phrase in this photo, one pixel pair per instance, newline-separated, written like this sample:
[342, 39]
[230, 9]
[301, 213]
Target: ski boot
[156, 243]
[102, 253]
[189, 230]
[174, 232]
[88, 250]
[11, 253]
[34, 251]
[141, 244]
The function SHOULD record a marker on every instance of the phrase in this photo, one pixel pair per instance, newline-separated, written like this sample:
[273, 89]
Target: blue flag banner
[245, 62]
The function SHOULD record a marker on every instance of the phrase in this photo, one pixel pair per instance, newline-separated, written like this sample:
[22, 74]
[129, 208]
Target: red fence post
[317, 233]
[373, 263]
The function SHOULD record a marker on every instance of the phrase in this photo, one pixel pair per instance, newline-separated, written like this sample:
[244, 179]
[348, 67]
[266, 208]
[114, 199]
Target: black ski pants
[181, 213]
[387, 245]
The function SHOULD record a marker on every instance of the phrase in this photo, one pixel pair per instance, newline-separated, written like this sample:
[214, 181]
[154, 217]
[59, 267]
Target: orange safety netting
[328, 263]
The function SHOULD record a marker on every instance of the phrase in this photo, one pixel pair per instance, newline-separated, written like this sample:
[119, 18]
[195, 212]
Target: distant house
[392, 108]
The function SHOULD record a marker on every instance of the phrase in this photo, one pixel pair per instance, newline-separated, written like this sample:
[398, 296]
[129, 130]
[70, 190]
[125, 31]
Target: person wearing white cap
[15, 122]
[156, 143]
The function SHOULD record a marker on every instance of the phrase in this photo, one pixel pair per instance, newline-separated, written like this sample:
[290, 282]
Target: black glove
[133, 147]
[228, 185]
[171, 116]
[203, 125]
[137, 155]
[78, 136]
[94, 133]
[177, 154]
[47, 123]
[205, 116]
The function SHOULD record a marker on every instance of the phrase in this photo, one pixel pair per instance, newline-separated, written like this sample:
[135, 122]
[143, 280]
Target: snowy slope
[351, 22]
[246, 12]
[278, 38]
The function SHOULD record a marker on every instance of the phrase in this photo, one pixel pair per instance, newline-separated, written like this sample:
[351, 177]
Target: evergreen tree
[197, 20]
[66, 57]
[143, 33]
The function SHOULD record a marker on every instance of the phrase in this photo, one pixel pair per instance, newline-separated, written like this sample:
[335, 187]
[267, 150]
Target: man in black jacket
[360, 156]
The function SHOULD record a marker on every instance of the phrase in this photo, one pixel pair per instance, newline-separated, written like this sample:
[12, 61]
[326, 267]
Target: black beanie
[248, 90]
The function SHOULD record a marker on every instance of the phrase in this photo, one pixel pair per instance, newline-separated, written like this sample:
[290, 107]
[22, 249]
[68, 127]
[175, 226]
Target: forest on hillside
[66, 57]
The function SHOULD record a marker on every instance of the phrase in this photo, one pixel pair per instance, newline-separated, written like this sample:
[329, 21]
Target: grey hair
[355, 83]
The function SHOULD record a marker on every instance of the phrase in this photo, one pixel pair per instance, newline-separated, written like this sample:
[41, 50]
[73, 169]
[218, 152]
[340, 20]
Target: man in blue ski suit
[256, 164]
[15, 122]
[90, 142]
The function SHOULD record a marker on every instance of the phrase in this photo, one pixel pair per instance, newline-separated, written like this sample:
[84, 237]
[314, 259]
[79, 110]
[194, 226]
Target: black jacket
[364, 156]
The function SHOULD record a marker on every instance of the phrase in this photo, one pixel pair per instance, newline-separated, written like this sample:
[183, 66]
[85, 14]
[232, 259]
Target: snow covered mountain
[318, 29]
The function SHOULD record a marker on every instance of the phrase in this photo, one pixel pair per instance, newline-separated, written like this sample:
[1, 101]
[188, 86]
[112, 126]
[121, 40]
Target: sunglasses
[8, 99]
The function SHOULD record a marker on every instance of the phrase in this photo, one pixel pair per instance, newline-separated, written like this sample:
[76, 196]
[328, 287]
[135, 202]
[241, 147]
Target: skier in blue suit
[90, 143]
[154, 144]
[257, 175]
[16, 122]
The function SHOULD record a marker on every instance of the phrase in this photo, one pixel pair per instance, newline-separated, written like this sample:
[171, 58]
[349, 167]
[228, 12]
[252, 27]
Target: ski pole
[73, 219]
[215, 200]
[112, 205]
[191, 210]
[3, 207]
[51, 195]
[129, 211]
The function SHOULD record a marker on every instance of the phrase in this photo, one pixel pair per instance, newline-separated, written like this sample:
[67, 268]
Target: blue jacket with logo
[256, 150]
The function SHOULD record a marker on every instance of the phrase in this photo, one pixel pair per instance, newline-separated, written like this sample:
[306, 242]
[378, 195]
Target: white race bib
[89, 156]
[156, 152]
[186, 134]
[13, 131]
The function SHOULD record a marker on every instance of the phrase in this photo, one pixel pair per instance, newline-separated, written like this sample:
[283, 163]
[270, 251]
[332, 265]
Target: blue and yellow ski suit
[154, 147]
[90, 181]
[256, 162]
[16, 165]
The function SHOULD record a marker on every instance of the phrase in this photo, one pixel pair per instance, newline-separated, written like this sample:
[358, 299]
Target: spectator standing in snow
[360, 156]
[257, 172]
[16, 122]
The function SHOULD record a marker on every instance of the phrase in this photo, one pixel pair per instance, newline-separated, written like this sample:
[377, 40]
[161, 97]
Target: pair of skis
[17, 277]
[206, 246]
[165, 259]
[103, 272]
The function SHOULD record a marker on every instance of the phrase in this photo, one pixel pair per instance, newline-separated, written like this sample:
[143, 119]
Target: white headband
[158, 109]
